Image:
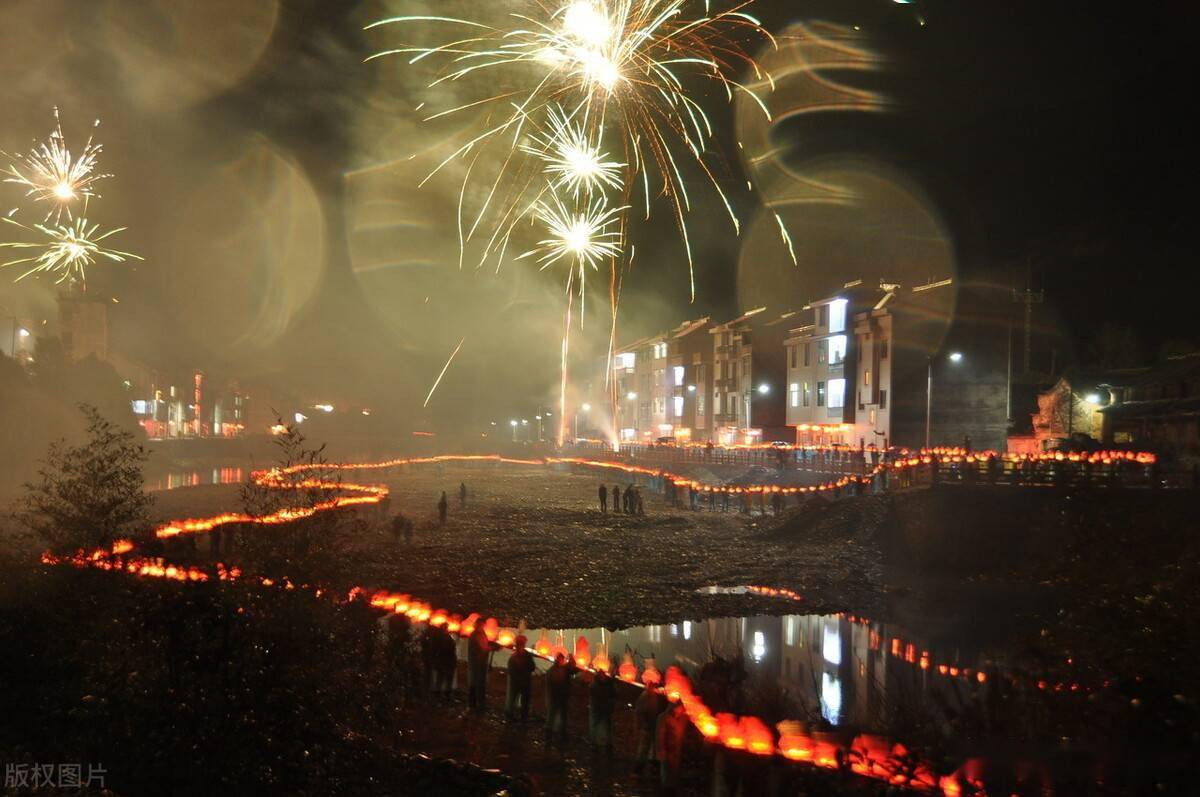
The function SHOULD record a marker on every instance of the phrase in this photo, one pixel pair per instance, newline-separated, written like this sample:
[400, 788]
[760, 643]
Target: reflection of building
[853, 673]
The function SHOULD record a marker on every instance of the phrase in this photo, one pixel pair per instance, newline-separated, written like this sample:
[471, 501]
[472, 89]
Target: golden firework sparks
[67, 251]
[445, 367]
[573, 158]
[586, 235]
[620, 63]
[50, 173]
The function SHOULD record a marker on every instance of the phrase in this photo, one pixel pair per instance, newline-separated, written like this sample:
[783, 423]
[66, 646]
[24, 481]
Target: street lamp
[513, 424]
[954, 357]
[586, 408]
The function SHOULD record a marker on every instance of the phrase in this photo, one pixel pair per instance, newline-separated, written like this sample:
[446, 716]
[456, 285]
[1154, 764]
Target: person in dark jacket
[479, 659]
[670, 732]
[602, 697]
[616, 498]
[649, 705]
[520, 680]
[558, 695]
[445, 661]
[462, 494]
[603, 498]
[442, 506]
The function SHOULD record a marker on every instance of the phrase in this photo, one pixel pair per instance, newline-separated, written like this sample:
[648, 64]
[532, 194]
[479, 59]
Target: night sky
[1014, 134]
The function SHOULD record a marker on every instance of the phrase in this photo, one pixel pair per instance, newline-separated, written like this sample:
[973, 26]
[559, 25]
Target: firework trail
[445, 368]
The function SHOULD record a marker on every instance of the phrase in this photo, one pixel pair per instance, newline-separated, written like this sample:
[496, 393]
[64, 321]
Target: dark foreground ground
[199, 689]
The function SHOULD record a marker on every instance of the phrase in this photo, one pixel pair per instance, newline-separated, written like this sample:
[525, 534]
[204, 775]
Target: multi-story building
[689, 377]
[749, 370]
[821, 371]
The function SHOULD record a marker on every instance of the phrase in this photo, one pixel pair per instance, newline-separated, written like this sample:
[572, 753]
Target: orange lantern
[583, 656]
[628, 670]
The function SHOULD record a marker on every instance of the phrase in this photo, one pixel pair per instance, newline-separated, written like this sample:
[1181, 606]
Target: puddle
[196, 478]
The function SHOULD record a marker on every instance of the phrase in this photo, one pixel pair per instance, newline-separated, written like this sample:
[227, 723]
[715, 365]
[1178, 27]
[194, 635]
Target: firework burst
[620, 64]
[50, 173]
[67, 251]
[573, 158]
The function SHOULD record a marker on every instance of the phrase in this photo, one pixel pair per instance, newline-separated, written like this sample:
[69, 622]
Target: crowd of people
[628, 500]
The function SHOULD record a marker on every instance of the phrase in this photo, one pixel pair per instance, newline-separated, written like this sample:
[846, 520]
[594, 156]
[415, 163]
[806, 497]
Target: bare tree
[89, 495]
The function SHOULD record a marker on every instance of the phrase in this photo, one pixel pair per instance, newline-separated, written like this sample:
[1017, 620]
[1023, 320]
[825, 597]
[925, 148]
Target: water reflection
[195, 478]
[848, 670]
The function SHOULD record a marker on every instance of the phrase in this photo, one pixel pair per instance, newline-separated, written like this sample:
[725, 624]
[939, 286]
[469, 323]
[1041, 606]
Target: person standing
[603, 498]
[649, 705]
[616, 498]
[520, 680]
[479, 657]
[445, 661]
[672, 726]
[442, 506]
[462, 494]
[602, 697]
[641, 506]
[558, 695]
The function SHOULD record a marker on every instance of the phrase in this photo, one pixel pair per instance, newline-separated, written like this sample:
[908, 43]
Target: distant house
[1157, 408]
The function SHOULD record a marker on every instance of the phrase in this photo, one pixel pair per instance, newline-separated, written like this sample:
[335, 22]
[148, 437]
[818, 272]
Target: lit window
[687, 629]
[759, 649]
[807, 394]
[867, 377]
[679, 376]
[837, 393]
[872, 417]
[837, 315]
[794, 394]
[820, 394]
[837, 349]
[831, 698]
[831, 645]
[625, 360]
[678, 406]
[822, 351]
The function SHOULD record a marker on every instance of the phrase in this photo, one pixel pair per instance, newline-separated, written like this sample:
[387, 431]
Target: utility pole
[1029, 298]
[1008, 382]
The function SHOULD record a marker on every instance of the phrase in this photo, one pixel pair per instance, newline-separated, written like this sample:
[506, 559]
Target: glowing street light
[631, 396]
[764, 389]
[955, 357]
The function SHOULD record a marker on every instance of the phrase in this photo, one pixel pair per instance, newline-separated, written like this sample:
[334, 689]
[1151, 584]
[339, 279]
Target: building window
[837, 349]
[792, 354]
[822, 351]
[678, 406]
[678, 376]
[837, 393]
[807, 394]
[837, 315]
[807, 351]
[883, 399]
[700, 405]
[716, 403]
[820, 394]
[822, 315]
[660, 350]
[794, 393]
[872, 417]
[883, 348]
[867, 377]
[659, 406]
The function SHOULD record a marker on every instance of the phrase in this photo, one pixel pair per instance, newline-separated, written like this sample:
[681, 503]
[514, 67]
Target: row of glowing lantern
[736, 733]
[870, 756]
[954, 453]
